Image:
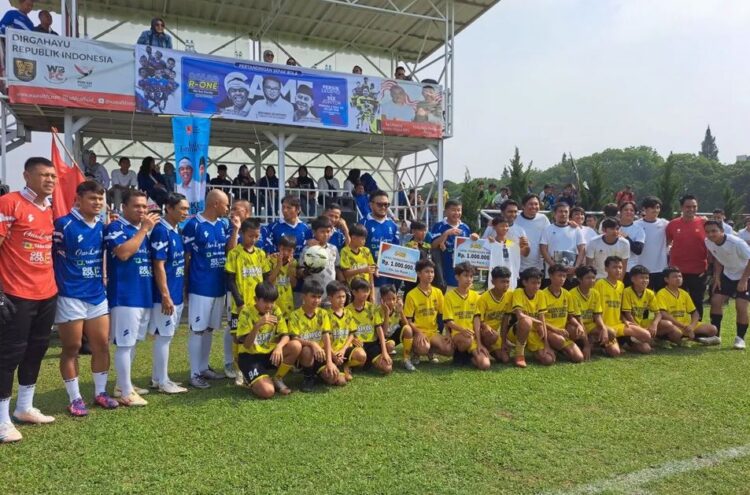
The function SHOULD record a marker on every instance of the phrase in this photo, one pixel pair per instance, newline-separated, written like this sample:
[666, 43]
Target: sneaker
[239, 380]
[433, 358]
[171, 388]
[415, 359]
[133, 400]
[408, 366]
[739, 343]
[33, 416]
[9, 433]
[281, 387]
[308, 384]
[710, 340]
[104, 401]
[137, 390]
[155, 385]
[520, 361]
[77, 408]
[210, 374]
[229, 371]
[198, 381]
[393, 352]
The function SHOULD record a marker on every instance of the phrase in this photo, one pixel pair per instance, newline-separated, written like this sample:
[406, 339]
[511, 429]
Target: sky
[580, 76]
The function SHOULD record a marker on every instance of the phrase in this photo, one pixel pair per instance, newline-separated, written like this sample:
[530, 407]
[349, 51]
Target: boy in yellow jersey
[530, 330]
[610, 290]
[589, 304]
[369, 321]
[265, 344]
[283, 273]
[422, 306]
[461, 317]
[678, 313]
[419, 242]
[309, 324]
[246, 264]
[343, 329]
[356, 259]
[494, 312]
[641, 306]
[395, 325]
[563, 330]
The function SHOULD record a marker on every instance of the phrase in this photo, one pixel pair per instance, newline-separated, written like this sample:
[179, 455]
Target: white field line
[632, 483]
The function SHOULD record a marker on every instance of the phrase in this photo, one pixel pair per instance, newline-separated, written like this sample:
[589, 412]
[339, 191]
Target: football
[315, 259]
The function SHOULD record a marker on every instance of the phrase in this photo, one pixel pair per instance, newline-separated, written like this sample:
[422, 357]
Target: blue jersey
[206, 242]
[377, 232]
[450, 243]
[166, 246]
[15, 19]
[280, 228]
[78, 255]
[129, 282]
[338, 239]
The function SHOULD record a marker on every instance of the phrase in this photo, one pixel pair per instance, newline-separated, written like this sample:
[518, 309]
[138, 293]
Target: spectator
[170, 178]
[351, 180]
[45, 23]
[720, 217]
[18, 18]
[362, 200]
[357, 70]
[489, 196]
[156, 36]
[268, 56]
[291, 61]
[122, 180]
[547, 197]
[222, 179]
[244, 179]
[151, 181]
[267, 195]
[625, 195]
[400, 74]
[328, 185]
[304, 181]
[501, 197]
[95, 170]
[568, 196]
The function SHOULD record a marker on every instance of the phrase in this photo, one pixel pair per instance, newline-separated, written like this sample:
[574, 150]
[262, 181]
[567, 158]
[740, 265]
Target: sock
[207, 338]
[122, 366]
[5, 410]
[25, 400]
[161, 359]
[195, 342]
[716, 321]
[132, 356]
[520, 348]
[741, 330]
[228, 348]
[72, 388]
[407, 343]
[100, 382]
[283, 370]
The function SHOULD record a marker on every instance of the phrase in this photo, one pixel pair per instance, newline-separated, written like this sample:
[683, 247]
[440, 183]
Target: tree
[708, 146]
[593, 193]
[733, 203]
[668, 187]
[519, 177]
[471, 201]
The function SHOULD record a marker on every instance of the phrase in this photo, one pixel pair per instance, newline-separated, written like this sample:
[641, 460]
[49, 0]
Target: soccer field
[674, 422]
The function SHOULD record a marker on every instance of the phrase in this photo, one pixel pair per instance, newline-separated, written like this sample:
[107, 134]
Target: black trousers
[24, 342]
[695, 285]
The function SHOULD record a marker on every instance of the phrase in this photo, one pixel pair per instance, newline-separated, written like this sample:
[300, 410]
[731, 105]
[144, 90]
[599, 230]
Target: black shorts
[254, 366]
[395, 336]
[729, 288]
[372, 349]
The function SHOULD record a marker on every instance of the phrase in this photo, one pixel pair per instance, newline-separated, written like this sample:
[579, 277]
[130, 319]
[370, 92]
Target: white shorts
[71, 309]
[128, 325]
[164, 325]
[204, 312]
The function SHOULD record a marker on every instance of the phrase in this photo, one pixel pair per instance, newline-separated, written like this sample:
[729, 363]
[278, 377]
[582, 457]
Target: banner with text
[399, 262]
[191, 137]
[475, 252]
[49, 70]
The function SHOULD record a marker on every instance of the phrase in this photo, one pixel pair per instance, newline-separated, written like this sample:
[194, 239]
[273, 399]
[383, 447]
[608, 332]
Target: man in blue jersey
[290, 224]
[207, 242]
[168, 258]
[444, 235]
[82, 309]
[18, 18]
[380, 228]
[129, 288]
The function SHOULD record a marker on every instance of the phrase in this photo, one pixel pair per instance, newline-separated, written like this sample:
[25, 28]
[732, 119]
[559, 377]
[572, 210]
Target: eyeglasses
[383, 204]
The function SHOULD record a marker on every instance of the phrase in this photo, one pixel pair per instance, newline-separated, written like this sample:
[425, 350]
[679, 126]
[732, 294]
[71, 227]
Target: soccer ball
[315, 259]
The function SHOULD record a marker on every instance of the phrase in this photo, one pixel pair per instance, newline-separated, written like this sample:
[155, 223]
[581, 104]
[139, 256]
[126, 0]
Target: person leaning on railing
[157, 35]
[244, 180]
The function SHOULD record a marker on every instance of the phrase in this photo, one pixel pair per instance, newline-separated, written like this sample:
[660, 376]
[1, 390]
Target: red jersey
[26, 252]
[688, 251]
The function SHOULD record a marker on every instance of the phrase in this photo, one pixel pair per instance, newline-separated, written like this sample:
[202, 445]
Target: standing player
[633, 233]
[610, 243]
[533, 224]
[290, 224]
[82, 300]
[563, 244]
[443, 235]
[340, 236]
[283, 274]
[731, 272]
[654, 253]
[207, 242]
[380, 228]
[168, 255]
[129, 288]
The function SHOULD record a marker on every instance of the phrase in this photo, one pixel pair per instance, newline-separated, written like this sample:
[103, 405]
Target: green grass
[441, 430]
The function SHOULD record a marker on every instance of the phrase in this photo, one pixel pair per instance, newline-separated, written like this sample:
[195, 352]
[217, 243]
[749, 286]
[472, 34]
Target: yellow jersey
[461, 310]
[587, 306]
[283, 284]
[492, 310]
[681, 307]
[422, 308]
[367, 320]
[532, 307]
[611, 296]
[353, 261]
[341, 327]
[268, 335]
[559, 307]
[637, 306]
[309, 327]
[248, 268]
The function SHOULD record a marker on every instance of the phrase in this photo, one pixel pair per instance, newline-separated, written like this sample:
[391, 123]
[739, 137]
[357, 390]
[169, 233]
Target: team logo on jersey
[158, 246]
[30, 218]
[205, 234]
[80, 238]
[126, 332]
[24, 69]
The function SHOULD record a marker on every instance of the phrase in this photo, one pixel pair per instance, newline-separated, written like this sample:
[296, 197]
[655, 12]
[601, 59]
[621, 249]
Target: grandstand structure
[329, 35]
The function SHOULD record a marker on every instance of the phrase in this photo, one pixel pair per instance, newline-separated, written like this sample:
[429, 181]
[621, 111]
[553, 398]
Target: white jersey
[733, 254]
[534, 228]
[514, 233]
[744, 234]
[507, 254]
[654, 254]
[728, 230]
[598, 250]
[635, 233]
[562, 243]
[588, 233]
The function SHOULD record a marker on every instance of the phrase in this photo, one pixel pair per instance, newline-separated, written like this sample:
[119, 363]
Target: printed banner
[191, 137]
[49, 70]
[399, 262]
[411, 109]
[475, 252]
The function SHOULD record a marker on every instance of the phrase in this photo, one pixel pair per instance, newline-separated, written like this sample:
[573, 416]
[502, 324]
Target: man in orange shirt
[28, 293]
[688, 253]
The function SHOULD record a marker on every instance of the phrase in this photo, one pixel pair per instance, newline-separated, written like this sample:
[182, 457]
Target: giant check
[398, 262]
[475, 252]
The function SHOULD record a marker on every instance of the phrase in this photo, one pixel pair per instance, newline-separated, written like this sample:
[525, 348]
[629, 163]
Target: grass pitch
[440, 430]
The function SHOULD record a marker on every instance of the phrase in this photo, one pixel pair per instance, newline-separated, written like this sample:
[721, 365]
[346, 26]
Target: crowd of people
[625, 285]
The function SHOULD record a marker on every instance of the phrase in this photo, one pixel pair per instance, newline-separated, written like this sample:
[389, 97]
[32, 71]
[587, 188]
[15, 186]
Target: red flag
[68, 178]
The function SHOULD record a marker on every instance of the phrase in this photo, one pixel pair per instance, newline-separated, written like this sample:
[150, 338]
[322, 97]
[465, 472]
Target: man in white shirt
[608, 244]
[744, 234]
[273, 106]
[561, 243]
[122, 180]
[96, 171]
[720, 217]
[533, 224]
[654, 253]
[731, 272]
[632, 232]
[578, 216]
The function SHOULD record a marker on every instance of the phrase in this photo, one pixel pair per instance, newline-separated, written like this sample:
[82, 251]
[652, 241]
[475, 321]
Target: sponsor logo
[24, 69]
[56, 74]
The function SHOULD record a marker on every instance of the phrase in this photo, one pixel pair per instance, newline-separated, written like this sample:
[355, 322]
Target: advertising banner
[191, 138]
[411, 109]
[475, 252]
[399, 262]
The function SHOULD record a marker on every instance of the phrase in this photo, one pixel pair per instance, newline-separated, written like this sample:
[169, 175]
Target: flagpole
[65, 148]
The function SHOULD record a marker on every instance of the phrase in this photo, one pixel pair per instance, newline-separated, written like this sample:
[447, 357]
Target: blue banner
[191, 138]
